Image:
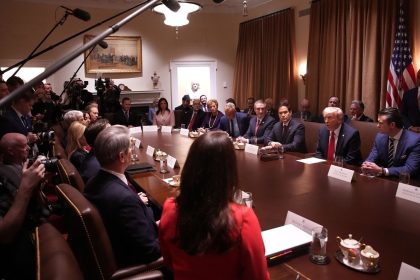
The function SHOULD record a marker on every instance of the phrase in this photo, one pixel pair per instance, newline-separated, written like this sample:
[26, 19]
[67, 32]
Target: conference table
[366, 208]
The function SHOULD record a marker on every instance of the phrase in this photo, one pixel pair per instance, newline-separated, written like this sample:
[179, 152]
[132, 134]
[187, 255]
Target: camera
[51, 164]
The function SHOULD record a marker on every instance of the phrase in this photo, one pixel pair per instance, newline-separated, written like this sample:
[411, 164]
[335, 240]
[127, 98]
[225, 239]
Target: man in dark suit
[250, 106]
[337, 138]
[288, 133]
[128, 221]
[259, 126]
[304, 113]
[410, 107]
[16, 118]
[357, 109]
[395, 150]
[186, 108]
[196, 116]
[125, 116]
[234, 123]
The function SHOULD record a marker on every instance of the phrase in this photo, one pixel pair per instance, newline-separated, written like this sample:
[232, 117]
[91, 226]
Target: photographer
[111, 97]
[20, 211]
[78, 95]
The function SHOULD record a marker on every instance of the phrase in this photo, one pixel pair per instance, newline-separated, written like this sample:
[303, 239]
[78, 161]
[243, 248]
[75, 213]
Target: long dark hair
[167, 106]
[208, 181]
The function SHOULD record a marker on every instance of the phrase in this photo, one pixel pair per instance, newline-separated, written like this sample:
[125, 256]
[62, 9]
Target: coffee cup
[176, 179]
[370, 257]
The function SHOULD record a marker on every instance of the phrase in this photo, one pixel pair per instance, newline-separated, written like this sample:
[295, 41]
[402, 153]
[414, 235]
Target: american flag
[401, 75]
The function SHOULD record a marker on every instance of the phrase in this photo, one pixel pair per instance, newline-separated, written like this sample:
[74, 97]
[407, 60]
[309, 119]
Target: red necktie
[257, 126]
[190, 126]
[331, 147]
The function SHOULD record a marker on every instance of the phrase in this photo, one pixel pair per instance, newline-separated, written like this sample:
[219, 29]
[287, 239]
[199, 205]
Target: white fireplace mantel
[141, 97]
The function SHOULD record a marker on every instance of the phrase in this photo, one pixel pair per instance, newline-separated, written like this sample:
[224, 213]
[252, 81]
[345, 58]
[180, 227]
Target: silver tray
[358, 267]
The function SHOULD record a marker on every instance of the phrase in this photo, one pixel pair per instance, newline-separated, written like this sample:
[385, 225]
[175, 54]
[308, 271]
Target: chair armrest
[149, 275]
[138, 270]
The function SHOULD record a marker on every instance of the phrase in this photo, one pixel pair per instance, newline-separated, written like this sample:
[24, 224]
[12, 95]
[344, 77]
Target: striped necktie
[391, 152]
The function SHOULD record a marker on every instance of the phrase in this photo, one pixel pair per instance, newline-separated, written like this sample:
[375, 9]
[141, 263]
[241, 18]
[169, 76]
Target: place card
[252, 149]
[408, 272]
[408, 192]
[184, 132]
[300, 222]
[150, 128]
[341, 173]
[166, 129]
[172, 163]
[150, 151]
[137, 143]
[134, 130]
[311, 160]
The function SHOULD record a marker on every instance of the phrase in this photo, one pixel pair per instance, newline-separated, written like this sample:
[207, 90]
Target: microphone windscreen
[103, 44]
[172, 5]
[218, 1]
[81, 14]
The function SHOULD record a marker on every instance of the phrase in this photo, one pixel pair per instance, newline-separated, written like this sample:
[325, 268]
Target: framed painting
[123, 55]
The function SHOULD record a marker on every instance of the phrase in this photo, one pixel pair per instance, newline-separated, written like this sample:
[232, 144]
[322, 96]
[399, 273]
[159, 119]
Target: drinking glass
[247, 199]
[339, 161]
[281, 152]
[134, 156]
[318, 254]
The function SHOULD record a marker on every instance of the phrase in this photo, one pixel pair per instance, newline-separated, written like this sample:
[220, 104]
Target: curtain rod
[265, 16]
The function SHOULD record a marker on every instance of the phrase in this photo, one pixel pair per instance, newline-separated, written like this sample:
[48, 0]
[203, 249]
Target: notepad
[284, 240]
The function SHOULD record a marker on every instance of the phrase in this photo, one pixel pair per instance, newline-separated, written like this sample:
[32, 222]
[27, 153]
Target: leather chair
[70, 175]
[311, 136]
[178, 117]
[367, 131]
[54, 258]
[89, 240]
[57, 149]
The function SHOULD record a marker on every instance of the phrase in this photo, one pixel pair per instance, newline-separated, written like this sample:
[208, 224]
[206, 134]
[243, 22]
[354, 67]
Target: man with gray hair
[234, 123]
[356, 111]
[129, 222]
[338, 139]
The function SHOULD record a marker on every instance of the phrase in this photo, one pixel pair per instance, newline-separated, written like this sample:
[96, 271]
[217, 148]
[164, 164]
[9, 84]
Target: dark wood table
[366, 207]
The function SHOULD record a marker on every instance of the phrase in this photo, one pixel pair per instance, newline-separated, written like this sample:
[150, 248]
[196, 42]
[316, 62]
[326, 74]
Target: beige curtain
[350, 45]
[265, 59]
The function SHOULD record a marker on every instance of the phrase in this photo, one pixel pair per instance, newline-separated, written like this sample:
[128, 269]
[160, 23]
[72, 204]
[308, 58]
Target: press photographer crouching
[21, 209]
[78, 94]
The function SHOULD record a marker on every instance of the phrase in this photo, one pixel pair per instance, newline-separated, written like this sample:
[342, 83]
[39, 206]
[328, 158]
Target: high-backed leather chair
[311, 136]
[178, 117]
[89, 240]
[70, 175]
[58, 150]
[367, 131]
[54, 258]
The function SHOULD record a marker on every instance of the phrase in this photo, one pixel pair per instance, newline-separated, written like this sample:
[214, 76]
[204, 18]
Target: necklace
[215, 118]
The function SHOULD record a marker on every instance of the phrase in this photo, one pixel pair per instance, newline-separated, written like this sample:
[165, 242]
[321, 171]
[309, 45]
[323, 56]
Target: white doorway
[185, 75]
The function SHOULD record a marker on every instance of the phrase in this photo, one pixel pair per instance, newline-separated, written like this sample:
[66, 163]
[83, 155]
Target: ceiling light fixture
[179, 18]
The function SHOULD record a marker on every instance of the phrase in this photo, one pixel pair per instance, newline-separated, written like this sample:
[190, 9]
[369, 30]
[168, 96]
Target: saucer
[359, 266]
[174, 184]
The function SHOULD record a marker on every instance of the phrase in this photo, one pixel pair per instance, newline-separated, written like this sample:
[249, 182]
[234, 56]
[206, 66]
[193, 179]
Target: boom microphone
[79, 13]
[218, 1]
[103, 44]
[172, 5]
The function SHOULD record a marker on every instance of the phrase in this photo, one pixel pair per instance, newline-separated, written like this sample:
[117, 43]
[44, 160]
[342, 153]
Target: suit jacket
[264, 130]
[348, 144]
[242, 120]
[186, 117]
[198, 121]
[407, 155]
[10, 122]
[410, 108]
[90, 166]
[133, 118]
[295, 139]
[364, 118]
[128, 221]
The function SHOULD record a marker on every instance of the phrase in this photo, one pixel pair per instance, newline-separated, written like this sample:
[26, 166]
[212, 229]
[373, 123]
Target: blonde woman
[76, 144]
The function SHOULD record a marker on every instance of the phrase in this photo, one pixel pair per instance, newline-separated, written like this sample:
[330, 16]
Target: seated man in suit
[395, 149]
[259, 125]
[250, 106]
[125, 116]
[357, 109]
[93, 111]
[304, 113]
[195, 116]
[337, 138]
[288, 133]
[186, 108]
[234, 123]
[410, 107]
[129, 222]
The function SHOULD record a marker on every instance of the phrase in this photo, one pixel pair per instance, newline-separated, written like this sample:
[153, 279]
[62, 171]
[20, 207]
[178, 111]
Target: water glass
[247, 199]
[404, 178]
[339, 161]
[281, 152]
[318, 254]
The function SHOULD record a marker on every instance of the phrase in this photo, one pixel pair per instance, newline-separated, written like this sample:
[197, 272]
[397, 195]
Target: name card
[137, 143]
[150, 128]
[252, 149]
[341, 173]
[134, 130]
[150, 151]
[408, 272]
[300, 222]
[184, 132]
[172, 163]
[166, 129]
[408, 192]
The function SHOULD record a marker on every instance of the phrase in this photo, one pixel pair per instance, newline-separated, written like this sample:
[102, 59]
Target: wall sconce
[302, 72]
[179, 18]
[245, 8]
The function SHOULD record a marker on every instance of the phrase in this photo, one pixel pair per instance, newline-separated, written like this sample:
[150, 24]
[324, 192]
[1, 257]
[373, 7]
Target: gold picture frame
[123, 55]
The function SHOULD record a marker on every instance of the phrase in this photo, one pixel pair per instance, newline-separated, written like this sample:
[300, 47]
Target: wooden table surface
[366, 207]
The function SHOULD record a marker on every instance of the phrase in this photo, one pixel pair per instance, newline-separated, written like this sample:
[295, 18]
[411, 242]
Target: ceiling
[209, 6]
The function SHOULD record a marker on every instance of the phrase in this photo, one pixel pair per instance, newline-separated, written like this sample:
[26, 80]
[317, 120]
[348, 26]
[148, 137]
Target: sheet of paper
[134, 130]
[166, 129]
[150, 151]
[408, 192]
[150, 128]
[300, 222]
[340, 173]
[252, 149]
[408, 272]
[311, 160]
[171, 161]
[184, 132]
